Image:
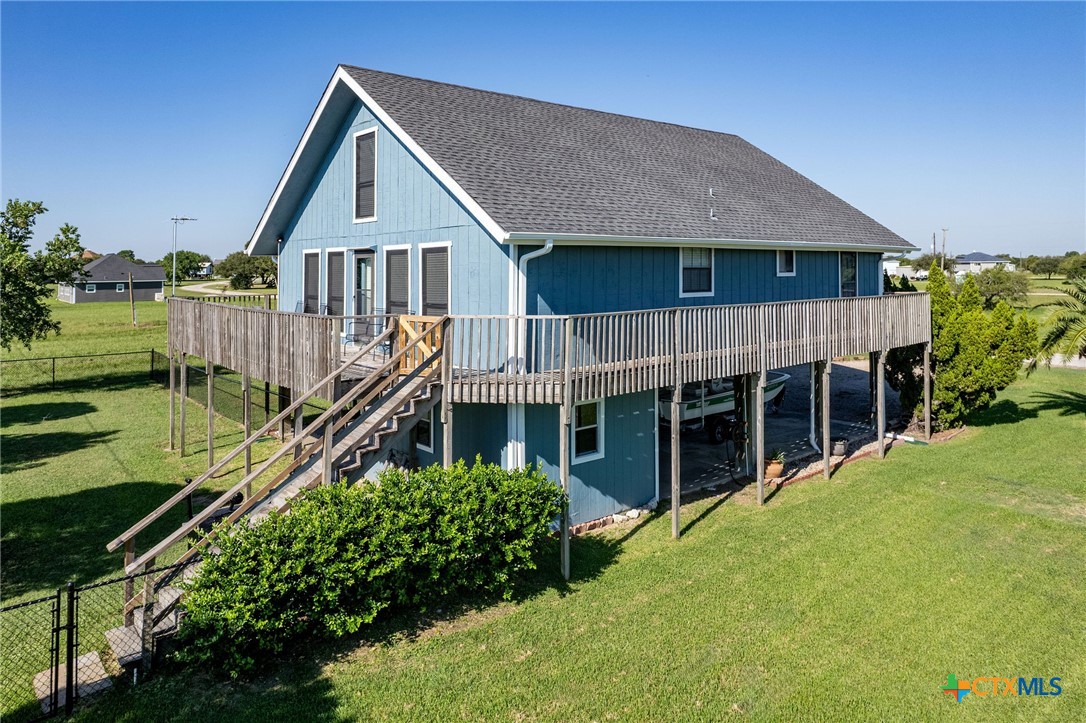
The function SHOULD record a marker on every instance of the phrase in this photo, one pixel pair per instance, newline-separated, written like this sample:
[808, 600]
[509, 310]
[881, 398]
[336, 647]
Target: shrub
[974, 354]
[343, 555]
[241, 280]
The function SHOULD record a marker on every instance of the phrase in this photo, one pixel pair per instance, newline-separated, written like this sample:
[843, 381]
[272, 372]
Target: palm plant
[1065, 330]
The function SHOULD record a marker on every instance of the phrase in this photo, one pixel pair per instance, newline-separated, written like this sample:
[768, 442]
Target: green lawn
[842, 600]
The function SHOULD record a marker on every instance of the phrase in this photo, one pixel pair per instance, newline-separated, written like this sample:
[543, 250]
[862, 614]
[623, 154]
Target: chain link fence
[61, 651]
[114, 369]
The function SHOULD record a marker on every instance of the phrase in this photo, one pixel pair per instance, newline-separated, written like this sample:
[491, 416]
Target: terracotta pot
[773, 469]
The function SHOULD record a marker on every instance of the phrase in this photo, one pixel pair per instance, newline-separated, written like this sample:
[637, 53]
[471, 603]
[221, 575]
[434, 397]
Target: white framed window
[91, 288]
[365, 175]
[120, 288]
[424, 432]
[587, 431]
[786, 262]
[695, 272]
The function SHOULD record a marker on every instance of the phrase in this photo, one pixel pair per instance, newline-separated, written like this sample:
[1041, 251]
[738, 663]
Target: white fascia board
[523, 237]
[290, 166]
[484, 219]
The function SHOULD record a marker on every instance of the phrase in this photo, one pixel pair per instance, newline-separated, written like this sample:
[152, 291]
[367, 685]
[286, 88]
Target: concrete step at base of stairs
[90, 676]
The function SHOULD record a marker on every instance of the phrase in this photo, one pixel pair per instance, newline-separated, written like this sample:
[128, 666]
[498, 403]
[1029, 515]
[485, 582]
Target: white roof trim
[341, 76]
[518, 237]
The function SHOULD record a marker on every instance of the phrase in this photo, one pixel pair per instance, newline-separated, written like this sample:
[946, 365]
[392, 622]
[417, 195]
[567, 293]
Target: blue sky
[969, 116]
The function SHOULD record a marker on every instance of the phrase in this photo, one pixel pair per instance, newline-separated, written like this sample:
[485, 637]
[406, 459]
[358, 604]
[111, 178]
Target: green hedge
[344, 554]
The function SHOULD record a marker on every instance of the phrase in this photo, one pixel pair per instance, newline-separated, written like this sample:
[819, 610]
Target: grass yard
[841, 600]
[99, 328]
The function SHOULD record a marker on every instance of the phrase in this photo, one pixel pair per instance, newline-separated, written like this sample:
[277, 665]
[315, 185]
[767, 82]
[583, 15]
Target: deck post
[247, 416]
[184, 398]
[739, 411]
[676, 426]
[565, 414]
[267, 402]
[759, 434]
[173, 396]
[446, 399]
[299, 425]
[826, 441]
[872, 389]
[283, 395]
[210, 368]
[881, 403]
[927, 392]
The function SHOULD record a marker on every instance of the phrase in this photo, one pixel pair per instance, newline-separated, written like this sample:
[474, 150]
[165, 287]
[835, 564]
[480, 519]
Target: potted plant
[774, 464]
[839, 448]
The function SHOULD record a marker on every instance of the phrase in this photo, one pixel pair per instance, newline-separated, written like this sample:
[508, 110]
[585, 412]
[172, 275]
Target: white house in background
[894, 265]
[976, 262]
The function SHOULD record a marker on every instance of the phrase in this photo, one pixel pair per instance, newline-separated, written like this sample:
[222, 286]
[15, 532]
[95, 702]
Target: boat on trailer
[710, 404]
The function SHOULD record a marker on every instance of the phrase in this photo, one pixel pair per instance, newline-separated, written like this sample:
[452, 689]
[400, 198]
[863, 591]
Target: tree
[243, 269]
[997, 284]
[1074, 266]
[975, 354]
[924, 261]
[131, 256]
[188, 262]
[24, 277]
[1065, 330]
[1046, 265]
[266, 268]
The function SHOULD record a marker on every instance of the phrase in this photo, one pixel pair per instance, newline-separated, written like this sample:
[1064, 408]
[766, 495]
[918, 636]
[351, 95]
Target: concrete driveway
[787, 429]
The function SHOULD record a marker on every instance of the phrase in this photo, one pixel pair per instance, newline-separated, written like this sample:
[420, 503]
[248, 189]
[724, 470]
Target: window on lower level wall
[120, 288]
[587, 431]
[786, 262]
[696, 272]
[91, 288]
[424, 432]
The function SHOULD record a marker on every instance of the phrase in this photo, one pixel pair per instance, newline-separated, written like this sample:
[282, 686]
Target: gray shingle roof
[979, 257]
[550, 168]
[112, 267]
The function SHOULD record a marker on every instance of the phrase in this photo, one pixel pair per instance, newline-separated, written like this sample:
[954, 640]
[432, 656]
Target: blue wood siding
[412, 208]
[587, 279]
[626, 475]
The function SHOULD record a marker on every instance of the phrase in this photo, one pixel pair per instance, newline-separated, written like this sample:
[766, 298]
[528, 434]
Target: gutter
[516, 237]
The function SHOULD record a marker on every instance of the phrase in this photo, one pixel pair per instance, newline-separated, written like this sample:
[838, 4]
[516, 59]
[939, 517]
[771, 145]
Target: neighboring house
[407, 196]
[976, 262]
[107, 280]
[205, 270]
[896, 265]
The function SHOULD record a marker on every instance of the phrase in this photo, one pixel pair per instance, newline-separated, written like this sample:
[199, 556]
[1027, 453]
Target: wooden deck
[541, 359]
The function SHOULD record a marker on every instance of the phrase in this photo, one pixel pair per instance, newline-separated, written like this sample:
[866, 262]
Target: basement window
[365, 175]
[696, 272]
[587, 431]
[786, 262]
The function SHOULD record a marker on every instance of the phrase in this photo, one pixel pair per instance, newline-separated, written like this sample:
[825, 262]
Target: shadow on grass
[93, 382]
[26, 451]
[1068, 404]
[45, 412]
[1004, 411]
[48, 541]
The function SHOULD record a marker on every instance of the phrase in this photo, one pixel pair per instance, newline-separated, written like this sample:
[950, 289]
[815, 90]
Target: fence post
[152, 363]
[54, 372]
[54, 655]
[69, 666]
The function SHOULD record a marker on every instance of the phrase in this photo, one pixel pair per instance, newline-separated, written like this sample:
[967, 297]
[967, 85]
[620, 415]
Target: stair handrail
[185, 491]
[148, 557]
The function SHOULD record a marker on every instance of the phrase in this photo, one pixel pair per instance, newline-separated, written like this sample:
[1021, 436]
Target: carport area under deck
[787, 428]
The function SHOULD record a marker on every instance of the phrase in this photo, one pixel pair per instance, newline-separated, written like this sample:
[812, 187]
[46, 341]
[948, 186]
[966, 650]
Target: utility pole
[176, 220]
[942, 260]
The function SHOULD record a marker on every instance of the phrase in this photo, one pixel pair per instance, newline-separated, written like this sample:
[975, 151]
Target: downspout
[517, 431]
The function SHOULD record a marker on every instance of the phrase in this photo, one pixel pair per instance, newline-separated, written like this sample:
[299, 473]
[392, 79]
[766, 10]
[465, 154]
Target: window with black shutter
[435, 281]
[365, 176]
[335, 283]
[397, 269]
[697, 272]
[311, 283]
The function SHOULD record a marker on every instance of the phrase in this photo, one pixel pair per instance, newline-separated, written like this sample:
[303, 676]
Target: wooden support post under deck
[826, 440]
[267, 402]
[676, 425]
[299, 425]
[173, 396]
[880, 396]
[759, 434]
[184, 398]
[565, 418]
[247, 416]
[927, 392]
[283, 395]
[210, 414]
[130, 583]
[872, 390]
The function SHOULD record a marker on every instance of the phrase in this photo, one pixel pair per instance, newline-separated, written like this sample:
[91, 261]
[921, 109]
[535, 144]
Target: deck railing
[531, 359]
